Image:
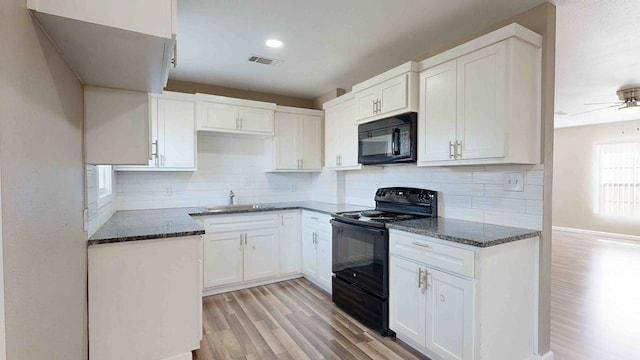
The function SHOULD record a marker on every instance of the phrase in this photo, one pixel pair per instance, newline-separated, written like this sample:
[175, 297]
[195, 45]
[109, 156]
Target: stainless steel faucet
[231, 196]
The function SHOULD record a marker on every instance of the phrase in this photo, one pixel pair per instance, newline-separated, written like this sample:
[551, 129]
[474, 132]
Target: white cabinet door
[437, 123]
[392, 94]
[324, 258]
[223, 258]
[260, 254]
[290, 245]
[176, 120]
[286, 141]
[366, 103]
[349, 153]
[309, 260]
[449, 316]
[218, 116]
[332, 136]
[407, 299]
[311, 138]
[255, 120]
[481, 115]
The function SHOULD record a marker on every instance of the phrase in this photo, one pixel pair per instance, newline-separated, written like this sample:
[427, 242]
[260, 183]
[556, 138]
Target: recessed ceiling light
[274, 43]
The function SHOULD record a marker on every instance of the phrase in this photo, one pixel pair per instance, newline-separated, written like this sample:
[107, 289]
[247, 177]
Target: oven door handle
[360, 228]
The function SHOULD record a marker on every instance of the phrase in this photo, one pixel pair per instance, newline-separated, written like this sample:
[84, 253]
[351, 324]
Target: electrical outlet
[513, 181]
[167, 190]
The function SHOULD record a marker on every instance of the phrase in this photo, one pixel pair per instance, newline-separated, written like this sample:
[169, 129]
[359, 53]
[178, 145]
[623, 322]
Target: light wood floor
[288, 320]
[595, 298]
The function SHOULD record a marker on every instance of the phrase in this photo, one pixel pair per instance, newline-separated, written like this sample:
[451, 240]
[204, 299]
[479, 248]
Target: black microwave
[388, 141]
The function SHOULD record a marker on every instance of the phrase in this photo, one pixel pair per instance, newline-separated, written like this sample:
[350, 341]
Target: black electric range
[360, 242]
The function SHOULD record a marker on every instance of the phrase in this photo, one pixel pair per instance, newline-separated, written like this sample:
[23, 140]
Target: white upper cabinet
[480, 101]
[230, 115]
[391, 93]
[341, 134]
[173, 134]
[117, 44]
[297, 142]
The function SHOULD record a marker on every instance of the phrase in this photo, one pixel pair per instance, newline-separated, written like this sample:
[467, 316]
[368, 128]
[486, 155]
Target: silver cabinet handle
[374, 107]
[155, 154]
[458, 149]
[419, 278]
[421, 244]
[313, 218]
[245, 238]
[281, 220]
[301, 163]
[452, 150]
[241, 124]
[379, 106]
[241, 240]
[174, 61]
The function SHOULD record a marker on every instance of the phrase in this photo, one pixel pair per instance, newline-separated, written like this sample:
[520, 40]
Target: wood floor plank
[291, 320]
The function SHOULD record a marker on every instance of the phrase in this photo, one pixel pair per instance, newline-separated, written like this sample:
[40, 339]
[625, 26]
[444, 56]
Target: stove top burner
[373, 213]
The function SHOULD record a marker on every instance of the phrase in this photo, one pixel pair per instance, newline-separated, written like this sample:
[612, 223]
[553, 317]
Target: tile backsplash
[473, 193]
[224, 163]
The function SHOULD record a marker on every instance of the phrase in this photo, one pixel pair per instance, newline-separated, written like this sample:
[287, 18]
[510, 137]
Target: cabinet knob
[441, 298]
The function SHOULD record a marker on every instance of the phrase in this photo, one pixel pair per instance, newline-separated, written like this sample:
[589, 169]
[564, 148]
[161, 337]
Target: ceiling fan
[629, 102]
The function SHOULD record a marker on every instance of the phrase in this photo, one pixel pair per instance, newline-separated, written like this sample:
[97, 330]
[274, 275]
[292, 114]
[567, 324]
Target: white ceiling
[328, 44]
[597, 53]
[331, 44]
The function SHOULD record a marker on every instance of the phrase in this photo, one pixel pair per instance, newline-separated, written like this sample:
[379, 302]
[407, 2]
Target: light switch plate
[513, 181]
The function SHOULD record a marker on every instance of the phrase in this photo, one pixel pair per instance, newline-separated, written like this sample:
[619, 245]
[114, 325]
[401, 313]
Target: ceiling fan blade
[606, 103]
[588, 111]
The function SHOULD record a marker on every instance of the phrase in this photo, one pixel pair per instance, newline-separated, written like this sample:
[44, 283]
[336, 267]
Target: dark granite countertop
[321, 207]
[464, 232]
[133, 225]
[147, 224]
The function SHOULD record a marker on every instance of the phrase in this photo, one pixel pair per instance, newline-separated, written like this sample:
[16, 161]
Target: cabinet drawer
[433, 253]
[224, 223]
[316, 218]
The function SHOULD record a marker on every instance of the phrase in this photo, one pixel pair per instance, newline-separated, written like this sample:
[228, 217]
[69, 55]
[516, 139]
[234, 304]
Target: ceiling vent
[264, 60]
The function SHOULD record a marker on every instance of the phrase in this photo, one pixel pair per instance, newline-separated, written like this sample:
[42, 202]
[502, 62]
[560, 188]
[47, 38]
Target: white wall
[224, 163]
[44, 245]
[574, 182]
[473, 193]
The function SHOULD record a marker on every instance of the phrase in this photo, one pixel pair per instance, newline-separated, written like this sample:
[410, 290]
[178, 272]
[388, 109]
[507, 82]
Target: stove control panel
[406, 195]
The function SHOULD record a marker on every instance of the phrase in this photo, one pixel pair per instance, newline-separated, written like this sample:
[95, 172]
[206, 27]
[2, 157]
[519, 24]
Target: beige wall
[573, 180]
[41, 111]
[191, 87]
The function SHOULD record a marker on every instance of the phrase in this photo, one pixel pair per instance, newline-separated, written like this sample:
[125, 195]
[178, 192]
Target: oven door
[360, 256]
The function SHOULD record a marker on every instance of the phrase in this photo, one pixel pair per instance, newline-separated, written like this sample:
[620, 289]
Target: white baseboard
[598, 233]
[547, 356]
[246, 285]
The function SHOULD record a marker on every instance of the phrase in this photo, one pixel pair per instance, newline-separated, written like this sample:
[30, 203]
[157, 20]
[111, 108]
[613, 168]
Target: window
[618, 179]
[104, 184]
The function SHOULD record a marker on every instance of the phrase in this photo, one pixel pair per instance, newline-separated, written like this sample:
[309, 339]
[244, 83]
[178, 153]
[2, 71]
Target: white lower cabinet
[241, 250]
[290, 245]
[459, 302]
[261, 258]
[316, 249]
[145, 299]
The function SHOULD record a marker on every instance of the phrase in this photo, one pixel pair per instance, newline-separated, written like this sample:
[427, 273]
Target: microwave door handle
[395, 140]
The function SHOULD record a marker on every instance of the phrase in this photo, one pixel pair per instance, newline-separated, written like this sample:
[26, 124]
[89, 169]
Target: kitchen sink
[238, 207]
